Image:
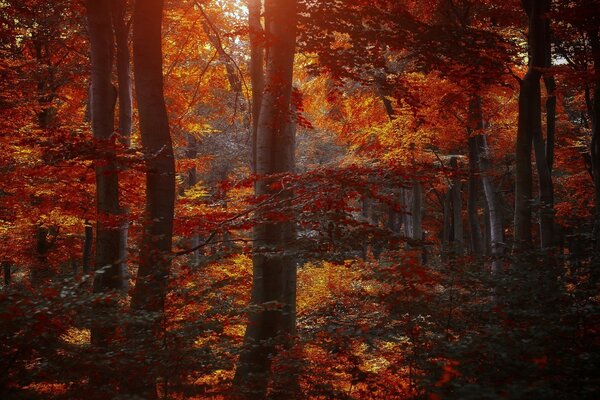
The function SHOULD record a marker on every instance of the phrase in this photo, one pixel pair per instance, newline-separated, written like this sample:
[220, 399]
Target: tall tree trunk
[150, 289]
[274, 154]
[475, 233]
[544, 149]
[257, 60]
[121, 31]
[529, 120]
[108, 238]
[494, 212]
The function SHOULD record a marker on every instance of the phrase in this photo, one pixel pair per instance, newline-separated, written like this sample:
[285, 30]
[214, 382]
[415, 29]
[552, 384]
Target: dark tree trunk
[155, 249]
[544, 149]
[595, 145]
[456, 196]
[41, 272]
[88, 242]
[107, 275]
[121, 31]
[475, 233]
[6, 270]
[274, 154]
[529, 123]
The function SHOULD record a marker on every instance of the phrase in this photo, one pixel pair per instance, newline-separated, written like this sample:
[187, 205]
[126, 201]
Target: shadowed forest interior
[300, 199]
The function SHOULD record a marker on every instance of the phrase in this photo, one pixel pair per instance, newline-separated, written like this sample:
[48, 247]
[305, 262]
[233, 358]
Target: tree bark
[544, 149]
[257, 60]
[475, 233]
[88, 242]
[150, 289]
[274, 154]
[6, 270]
[494, 209]
[107, 275]
[121, 32]
[529, 121]
[456, 196]
[595, 144]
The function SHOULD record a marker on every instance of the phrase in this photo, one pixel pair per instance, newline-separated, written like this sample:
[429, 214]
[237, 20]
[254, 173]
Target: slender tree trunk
[88, 242]
[476, 235]
[456, 195]
[417, 210]
[150, 289]
[6, 270]
[274, 154]
[257, 60]
[447, 225]
[121, 32]
[407, 217]
[493, 206]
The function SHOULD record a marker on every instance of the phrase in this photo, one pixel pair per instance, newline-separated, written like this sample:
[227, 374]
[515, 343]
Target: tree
[530, 129]
[150, 288]
[274, 156]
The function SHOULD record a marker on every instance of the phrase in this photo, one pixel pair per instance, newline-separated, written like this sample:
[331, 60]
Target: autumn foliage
[373, 199]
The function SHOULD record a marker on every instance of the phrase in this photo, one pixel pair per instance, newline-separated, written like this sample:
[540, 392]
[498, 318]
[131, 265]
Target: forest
[300, 199]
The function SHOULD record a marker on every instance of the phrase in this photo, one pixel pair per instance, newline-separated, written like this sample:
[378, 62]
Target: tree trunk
[274, 154]
[88, 242]
[447, 226]
[529, 120]
[475, 233]
[544, 149]
[494, 212]
[257, 78]
[121, 31]
[107, 276]
[150, 289]
[417, 210]
[6, 270]
[456, 196]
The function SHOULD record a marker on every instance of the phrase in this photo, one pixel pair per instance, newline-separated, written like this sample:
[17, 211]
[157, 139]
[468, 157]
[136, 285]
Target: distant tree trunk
[406, 193]
[257, 78]
[88, 243]
[6, 270]
[529, 120]
[190, 180]
[417, 211]
[456, 196]
[447, 225]
[121, 31]
[46, 92]
[155, 249]
[274, 154]
[41, 273]
[474, 179]
[493, 207]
